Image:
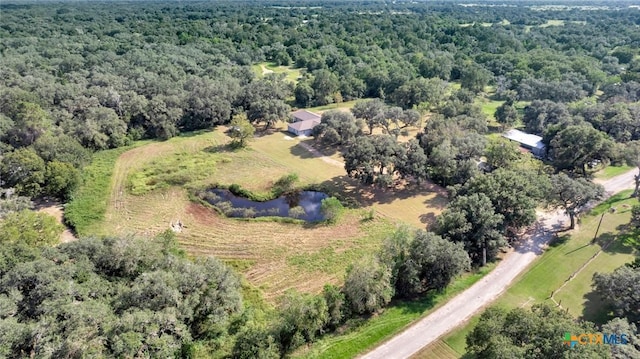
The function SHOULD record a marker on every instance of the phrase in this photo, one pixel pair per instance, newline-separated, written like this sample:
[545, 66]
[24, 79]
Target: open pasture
[273, 255]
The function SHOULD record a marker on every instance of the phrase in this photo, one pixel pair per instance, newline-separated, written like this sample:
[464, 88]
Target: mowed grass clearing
[274, 256]
[264, 68]
[561, 261]
[343, 106]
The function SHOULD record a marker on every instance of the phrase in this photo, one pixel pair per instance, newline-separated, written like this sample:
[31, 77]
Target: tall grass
[178, 169]
[89, 202]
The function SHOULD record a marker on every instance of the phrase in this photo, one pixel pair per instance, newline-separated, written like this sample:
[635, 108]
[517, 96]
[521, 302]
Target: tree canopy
[535, 333]
[111, 297]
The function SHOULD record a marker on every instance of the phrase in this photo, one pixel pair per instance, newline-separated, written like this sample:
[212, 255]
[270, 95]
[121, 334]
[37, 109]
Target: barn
[528, 141]
[303, 122]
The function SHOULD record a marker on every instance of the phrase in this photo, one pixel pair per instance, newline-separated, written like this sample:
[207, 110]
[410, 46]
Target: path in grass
[265, 70]
[464, 306]
[56, 210]
[611, 171]
[319, 155]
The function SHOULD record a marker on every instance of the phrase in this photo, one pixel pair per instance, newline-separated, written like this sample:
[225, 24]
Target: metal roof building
[304, 122]
[531, 142]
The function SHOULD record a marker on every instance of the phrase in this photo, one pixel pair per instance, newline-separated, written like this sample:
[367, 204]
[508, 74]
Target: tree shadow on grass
[221, 148]
[326, 150]
[301, 152]
[595, 309]
[428, 219]
[559, 240]
[262, 131]
[622, 243]
[367, 195]
[188, 134]
[417, 305]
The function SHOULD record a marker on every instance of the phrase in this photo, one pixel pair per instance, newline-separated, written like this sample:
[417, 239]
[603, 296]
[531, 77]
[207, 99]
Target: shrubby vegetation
[29, 228]
[621, 289]
[535, 333]
[112, 297]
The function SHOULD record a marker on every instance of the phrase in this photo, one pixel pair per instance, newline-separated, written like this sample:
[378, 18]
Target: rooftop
[527, 139]
[304, 125]
[304, 115]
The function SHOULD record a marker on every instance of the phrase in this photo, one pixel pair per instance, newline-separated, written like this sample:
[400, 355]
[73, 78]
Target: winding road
[468, 303]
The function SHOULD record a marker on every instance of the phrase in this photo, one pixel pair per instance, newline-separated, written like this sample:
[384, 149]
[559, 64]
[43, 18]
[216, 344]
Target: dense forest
[82, 77]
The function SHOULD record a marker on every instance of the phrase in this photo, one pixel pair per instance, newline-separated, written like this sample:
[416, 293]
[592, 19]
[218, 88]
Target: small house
[530, 142]
[303, 123]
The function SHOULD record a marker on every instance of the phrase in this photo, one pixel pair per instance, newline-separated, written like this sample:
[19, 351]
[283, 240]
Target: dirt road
[317, 153]
[468, 303]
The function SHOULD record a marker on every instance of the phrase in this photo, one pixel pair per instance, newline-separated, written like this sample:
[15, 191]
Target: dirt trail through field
[265, 70]
[318, 154]
[470, 302]
[56, 210]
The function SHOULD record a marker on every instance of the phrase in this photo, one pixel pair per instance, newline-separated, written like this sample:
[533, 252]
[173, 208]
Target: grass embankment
[566, 257]
[392, 321]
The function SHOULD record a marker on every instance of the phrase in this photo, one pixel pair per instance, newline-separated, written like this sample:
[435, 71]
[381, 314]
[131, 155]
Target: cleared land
[264, 68]
[56, 210]
[344, 106]
[564, 258]
[274, 256]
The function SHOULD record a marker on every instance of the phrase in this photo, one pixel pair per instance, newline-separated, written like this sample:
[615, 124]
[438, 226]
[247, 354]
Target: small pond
[305, 204]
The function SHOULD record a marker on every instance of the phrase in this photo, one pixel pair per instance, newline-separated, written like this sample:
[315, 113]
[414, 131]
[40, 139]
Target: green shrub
[297, 212]
[331, 209]
[285, 184]
[31, 228]
[368, 215]
[635, 216]
[179, 169]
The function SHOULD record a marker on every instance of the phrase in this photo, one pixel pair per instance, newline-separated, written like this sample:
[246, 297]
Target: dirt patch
[265, 71]
[56, 210]
[202, 215]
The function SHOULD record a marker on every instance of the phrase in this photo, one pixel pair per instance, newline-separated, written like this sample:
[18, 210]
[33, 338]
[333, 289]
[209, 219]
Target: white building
[533, 143]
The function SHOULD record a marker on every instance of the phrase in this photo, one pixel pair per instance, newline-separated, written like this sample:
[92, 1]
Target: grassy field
[570, 255]
[347, 105]
[390, 322]
[489, 108]
[263, 68]
[612, 171]
[84, 213]
[273, 256]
